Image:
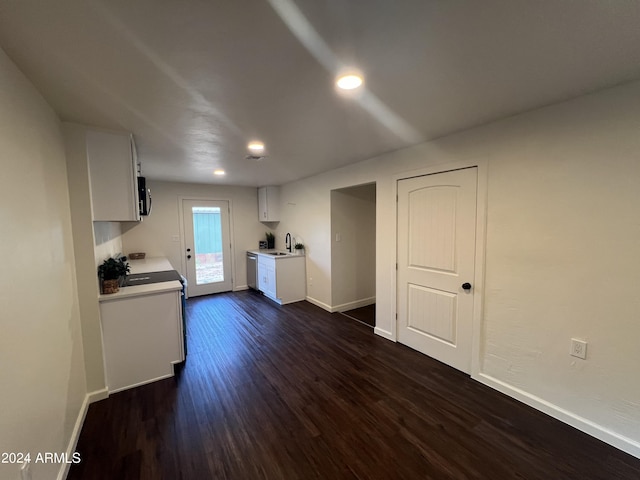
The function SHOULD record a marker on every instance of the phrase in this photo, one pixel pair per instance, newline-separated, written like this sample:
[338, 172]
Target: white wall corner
[89, 398]
[98, 395]
[363, 302]
[320, 304]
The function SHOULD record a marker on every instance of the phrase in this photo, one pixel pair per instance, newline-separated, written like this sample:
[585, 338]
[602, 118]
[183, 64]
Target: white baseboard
[356, 304]
[384, 333]
[240, 288]
[320, 304]
[98, 395]
[343, 307]
[587, 426]
[145, 382]
[377, 330]
[89, 398]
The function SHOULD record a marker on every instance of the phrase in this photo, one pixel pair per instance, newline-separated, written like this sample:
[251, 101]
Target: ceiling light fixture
[256, 151]
[349, 82]
[218, 172]
[256, 148]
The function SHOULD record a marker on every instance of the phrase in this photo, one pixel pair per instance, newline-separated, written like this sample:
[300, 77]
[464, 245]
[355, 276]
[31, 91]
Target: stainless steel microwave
[144, 197]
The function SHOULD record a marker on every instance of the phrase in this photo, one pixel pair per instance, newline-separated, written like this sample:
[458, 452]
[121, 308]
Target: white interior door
[436, 252]
[207, 246]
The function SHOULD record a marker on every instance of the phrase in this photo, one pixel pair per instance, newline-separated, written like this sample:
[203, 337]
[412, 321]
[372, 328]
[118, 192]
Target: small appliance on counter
[151, 277]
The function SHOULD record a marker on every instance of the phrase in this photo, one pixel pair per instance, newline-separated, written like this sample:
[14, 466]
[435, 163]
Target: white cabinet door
[272, 286]
[267, 276]
[142, 338]
[262, 279]
[262, 204]
[269, 204]
[113, 177]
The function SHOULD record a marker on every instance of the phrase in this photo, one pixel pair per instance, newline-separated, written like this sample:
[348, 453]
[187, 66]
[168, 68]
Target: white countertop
[266, 253]
[153, 264]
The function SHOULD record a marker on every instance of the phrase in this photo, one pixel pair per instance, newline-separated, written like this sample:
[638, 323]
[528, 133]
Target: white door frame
[481, 234]
[183, 243]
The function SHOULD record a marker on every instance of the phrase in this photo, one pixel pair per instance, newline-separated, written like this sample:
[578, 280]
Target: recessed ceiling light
[256, 148]
[349, 82]
[218, 172]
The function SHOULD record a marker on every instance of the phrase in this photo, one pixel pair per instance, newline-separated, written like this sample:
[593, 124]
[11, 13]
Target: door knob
[466, 286]
[188, 257]
[188, 249]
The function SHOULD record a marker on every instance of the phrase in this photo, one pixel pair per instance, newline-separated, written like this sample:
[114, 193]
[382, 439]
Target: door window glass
[207, 233]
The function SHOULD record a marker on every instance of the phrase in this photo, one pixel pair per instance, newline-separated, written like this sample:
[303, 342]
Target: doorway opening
[353, 252]
[207, 246]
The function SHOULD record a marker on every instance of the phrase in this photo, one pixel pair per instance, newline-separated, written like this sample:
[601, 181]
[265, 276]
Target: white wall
[42, 377]
[353, 262]
[156, 235]
[108, 240]
[306, 210]
[562, 253]
[89, 250]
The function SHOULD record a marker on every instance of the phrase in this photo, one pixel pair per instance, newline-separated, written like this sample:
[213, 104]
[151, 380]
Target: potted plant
[110, 272]
[271, 240]
[299, 248]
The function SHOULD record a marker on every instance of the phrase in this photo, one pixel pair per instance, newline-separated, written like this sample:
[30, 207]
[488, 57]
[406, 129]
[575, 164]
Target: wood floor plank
[293, 392]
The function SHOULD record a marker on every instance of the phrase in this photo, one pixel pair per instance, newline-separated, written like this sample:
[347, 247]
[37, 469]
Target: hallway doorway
[365, 315]
[353, 248]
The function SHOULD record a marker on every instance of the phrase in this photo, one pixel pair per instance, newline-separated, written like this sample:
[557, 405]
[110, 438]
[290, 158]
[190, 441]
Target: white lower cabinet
[142, 338]
[267, 275]
[282, 279]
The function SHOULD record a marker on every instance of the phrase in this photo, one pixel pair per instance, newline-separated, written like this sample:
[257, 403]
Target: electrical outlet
[578, 348]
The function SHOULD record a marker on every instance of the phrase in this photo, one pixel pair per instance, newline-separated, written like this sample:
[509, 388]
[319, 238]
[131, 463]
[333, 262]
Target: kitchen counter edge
[152, 264]
[139, 290]
[265, 253]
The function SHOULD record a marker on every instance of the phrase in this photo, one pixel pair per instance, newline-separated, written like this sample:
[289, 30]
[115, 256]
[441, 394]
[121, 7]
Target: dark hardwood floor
[294, 392]
[366, 315]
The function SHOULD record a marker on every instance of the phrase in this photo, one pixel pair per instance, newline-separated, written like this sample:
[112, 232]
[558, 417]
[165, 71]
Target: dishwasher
[252, 270]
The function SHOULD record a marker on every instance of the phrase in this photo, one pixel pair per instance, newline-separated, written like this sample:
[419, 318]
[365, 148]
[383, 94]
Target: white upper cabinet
[269, 204]
[113, 175]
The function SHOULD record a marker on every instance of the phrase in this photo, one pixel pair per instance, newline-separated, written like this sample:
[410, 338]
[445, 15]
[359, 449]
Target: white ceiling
[195, 80]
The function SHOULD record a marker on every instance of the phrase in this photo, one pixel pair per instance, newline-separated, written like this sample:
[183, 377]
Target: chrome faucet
[287, 242]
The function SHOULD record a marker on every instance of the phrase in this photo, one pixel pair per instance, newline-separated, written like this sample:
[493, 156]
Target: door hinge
[396, 266]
